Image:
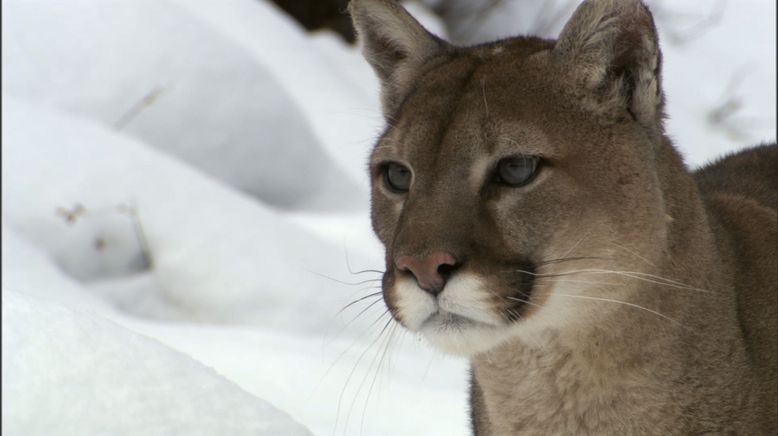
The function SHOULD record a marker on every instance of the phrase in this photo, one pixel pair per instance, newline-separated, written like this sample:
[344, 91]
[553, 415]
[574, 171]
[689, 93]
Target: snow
[736, 63]
[91, 376]
[200, 266]
[185, 213]
[212, 103]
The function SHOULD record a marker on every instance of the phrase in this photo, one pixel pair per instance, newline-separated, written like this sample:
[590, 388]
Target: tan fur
[652, 291]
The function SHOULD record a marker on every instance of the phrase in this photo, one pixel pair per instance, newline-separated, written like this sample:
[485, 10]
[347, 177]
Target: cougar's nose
[431, 271]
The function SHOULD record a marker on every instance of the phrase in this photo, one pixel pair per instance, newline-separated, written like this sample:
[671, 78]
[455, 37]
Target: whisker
[354, 368]
[378, 370]
[631, 274]
[342, 353]
[522, 301]
[625, 303]
[569, 259]
[513, 313]
[675, 282]
[341, 310]
[348, 283]
[343, 326]
[632, 253]
[433, 356]
[586, 235]
[597, 283]
[359, 388]
[361, 312]
[658, 280]
[354, 342]
[367, 271]
[583, 282]
[396, 344]
[512, 298]
[374, 294]
[348, 264]
[517, 299]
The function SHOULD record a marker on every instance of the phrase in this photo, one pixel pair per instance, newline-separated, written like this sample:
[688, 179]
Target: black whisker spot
[523, 284]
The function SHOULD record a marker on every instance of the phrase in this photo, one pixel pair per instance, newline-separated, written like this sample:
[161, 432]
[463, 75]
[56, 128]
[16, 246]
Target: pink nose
[431, 271]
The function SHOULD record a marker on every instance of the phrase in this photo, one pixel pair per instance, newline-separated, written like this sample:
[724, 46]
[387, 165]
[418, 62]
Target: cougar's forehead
[466, 106]
[437, 101]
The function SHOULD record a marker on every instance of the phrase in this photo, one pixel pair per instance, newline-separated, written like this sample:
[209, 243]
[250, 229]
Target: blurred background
[186, 243]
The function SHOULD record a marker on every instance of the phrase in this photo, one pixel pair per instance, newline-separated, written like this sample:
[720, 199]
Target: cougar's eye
[517, 171]
[397, 177]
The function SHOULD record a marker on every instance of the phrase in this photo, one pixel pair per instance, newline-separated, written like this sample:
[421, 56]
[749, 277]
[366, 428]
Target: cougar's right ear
[394, 44]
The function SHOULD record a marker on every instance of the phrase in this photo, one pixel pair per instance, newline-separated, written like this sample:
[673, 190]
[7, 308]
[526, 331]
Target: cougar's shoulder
[740, 192]
[751, 173]
[741, 196]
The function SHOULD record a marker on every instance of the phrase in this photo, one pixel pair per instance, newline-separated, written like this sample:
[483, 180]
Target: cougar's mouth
[447, 321]
[471, 312]
[460, 335]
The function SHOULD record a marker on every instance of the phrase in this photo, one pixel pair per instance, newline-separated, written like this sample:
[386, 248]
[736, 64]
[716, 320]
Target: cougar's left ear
[611, 48]
[394, 44]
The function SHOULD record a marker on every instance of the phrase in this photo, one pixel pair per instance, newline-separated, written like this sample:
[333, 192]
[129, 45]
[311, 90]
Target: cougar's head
[506, 166]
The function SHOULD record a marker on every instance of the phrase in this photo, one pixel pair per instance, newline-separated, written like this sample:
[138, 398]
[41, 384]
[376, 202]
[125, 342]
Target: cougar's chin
[462, 336]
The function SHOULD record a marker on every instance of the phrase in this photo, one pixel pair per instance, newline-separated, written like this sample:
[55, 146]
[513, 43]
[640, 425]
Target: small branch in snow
[131, 211]
[138, 107]
[724, 116]
[71, 215]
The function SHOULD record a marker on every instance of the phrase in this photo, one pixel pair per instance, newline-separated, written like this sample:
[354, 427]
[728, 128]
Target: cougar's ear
[394, 44]
[611, 48]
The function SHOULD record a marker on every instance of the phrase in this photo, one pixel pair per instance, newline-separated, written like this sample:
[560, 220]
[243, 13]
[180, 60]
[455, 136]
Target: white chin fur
[456, 335]
[459, 321]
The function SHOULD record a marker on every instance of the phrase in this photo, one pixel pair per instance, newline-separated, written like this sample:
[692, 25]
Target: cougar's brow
[434, 64]
[468, 82]
[391, 148]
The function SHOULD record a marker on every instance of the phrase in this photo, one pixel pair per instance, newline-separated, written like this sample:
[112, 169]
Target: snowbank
[153, 69]
[332, 383]
[74, 373]
[217, 255]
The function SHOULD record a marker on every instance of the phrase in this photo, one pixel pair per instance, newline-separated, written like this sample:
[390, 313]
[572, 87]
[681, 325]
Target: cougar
[538, 220]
